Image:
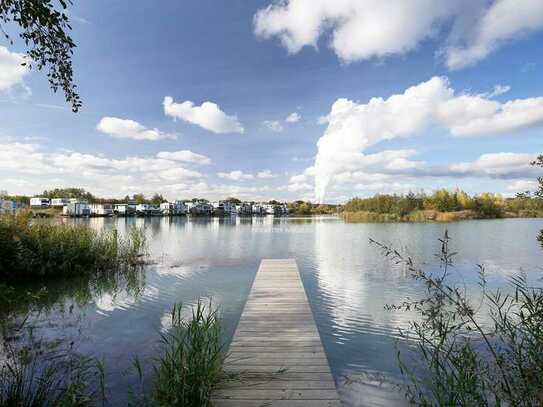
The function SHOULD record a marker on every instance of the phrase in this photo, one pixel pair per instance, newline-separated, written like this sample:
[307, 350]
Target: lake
[347, 280]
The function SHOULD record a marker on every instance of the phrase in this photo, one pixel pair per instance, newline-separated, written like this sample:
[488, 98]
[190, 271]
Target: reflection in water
[347, 282]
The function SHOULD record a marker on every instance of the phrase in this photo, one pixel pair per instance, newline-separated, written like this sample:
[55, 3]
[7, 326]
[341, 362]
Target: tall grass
[192, 361]
[50, 378]
[189, 368]
[31, 249]
[459, 358]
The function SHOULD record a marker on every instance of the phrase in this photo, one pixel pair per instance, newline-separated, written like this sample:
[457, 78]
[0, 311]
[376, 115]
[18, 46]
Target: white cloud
[361, 29]
[503, 20]
[499, 90]
[294, 117]
[175, 174]
[235, 175]
[474, 115]
[497, 165]
[523, 185]
[107, 176]
[354, 127]
[299, 187]
[273, 125]
[130, 129]
[364, 29]
[184, 156]
[239, 175]
[266, 174]
[11, 70]
[208, 116]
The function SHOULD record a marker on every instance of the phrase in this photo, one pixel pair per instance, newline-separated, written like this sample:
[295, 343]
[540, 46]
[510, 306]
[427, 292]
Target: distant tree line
[485, 205]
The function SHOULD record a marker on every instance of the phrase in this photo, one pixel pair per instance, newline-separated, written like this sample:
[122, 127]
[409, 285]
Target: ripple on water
[347, 281]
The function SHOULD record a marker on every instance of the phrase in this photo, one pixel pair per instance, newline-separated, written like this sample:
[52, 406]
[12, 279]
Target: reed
[50, 379]
[191, 365]
[31, 249]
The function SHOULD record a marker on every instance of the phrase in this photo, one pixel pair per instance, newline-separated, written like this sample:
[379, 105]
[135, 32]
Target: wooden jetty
[276, 348]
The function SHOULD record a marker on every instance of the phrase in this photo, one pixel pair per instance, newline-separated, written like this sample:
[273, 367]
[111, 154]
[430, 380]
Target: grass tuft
[191, 365]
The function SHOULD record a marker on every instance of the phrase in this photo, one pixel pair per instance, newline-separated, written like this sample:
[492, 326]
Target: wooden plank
[276, 353]
[277, 394]
[281, 384]
[276, 403]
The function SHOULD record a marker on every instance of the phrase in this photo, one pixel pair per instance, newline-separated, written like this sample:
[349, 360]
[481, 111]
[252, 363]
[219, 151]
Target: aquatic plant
[49, 378]
[459, 359]
[192, 361]
[45, 249]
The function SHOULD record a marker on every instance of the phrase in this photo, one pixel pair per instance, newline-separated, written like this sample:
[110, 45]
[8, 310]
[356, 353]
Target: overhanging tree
[44, 27]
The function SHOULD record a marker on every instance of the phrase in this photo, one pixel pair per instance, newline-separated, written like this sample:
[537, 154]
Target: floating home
[176, 208]
[60, 202]
[224, 208]
[142, 209]
[127, 209]
[77, 210]
[101, 209]
[201, 208]
[244, 209]
[39, 202]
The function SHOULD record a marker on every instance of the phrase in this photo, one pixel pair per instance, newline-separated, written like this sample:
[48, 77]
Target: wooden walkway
[277, 349]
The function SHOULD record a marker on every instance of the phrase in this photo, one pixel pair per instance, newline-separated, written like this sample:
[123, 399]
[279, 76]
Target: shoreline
[431, 216]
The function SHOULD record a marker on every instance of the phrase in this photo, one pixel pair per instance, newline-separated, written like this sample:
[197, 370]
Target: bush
[459, 360]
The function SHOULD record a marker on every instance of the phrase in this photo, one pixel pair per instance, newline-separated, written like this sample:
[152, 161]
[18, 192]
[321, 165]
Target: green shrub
[462, 360]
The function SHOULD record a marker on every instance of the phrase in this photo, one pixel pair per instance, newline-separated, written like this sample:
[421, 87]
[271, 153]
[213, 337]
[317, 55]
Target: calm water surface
[347, 281]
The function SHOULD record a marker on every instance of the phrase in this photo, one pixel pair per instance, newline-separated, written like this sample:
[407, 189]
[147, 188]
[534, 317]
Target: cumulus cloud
[294, 117]
[184, 156]
[273, 125]
[503, 20]
[208, 116]
[109, 176]
[364, 29]
[11, 70]
[236, 175]
[266, 174]
[130, 129]
[523, 185]
[497, 165]
[353, 127]
[239, 175]
[361, 29]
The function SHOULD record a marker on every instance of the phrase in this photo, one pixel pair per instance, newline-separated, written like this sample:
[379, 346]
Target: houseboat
[101, 209]
[39, 202]
[258, 210]
[244, 209]
[59, 202]
[142, 209]
[176, 208]
[201, 208]
[76, 210]
[128, 209]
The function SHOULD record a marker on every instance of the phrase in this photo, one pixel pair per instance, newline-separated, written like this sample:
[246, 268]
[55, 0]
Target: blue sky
[259, 62]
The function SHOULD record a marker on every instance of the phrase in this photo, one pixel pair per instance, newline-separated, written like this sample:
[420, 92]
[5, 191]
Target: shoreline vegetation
[38, 250]
[482, 349]
[34, 257]
[440, 206]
